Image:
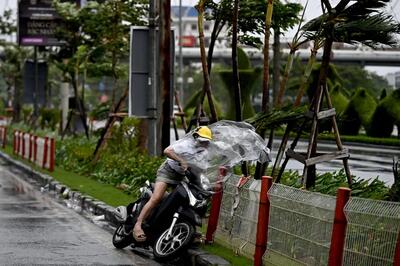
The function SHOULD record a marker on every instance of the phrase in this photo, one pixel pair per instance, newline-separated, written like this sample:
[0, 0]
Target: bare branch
[341, 5]
[327, 6]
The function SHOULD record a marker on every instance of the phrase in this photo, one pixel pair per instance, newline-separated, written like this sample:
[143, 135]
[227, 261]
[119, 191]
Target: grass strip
[227, 254]
[104, 192]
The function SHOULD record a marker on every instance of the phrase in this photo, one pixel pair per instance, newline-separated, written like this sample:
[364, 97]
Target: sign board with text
[38, 21]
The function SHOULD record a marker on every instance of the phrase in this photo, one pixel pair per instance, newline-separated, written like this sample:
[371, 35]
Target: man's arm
[170, 153]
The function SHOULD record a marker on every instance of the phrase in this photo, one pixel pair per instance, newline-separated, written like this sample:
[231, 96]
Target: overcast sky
[314, 10]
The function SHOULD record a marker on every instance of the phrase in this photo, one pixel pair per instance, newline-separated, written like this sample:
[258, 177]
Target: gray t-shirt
[192, 152]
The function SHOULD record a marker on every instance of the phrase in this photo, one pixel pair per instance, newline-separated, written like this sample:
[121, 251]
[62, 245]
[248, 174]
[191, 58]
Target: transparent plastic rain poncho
[232, 143]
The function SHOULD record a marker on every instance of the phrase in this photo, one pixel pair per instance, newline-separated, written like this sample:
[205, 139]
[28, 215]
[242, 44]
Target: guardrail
[38, 150]
[289, 226]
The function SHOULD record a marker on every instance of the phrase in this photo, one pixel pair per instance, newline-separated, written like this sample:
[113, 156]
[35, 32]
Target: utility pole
[152, 144]
[180, 53]
[165, 70]
[36, 90]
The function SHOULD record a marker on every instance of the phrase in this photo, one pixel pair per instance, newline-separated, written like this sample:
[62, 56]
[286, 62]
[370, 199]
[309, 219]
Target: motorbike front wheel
[121, 239]
[182, 235]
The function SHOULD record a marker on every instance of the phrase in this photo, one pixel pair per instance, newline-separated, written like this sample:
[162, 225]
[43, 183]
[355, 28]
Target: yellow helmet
[203, 132]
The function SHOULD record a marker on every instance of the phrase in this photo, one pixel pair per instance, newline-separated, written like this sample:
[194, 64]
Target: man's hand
[184, 165]
[170, 153]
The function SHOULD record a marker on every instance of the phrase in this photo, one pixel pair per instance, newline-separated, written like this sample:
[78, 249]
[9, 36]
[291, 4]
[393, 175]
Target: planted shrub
[358, 112]
[339, 100]
[100, 112]
[247, 79]
[328, 183]
[392, 104]
[394, 193]
[49, 118]
[121, 163]
[386, 115]
[195, 99]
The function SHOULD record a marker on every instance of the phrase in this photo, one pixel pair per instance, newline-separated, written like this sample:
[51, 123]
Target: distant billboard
[38, 21]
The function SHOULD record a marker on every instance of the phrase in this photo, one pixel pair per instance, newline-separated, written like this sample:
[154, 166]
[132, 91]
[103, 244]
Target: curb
[95, 207]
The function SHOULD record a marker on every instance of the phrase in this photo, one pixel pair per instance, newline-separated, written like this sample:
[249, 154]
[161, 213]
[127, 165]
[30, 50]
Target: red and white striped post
[396, 260]
[263, 221]
[14, 142]
[52, 154]
[20, 143]
[215, 207]
[35, 148]
[30, 147]
[16, 138]
[46, 141]
[5, 137]
[339, 228]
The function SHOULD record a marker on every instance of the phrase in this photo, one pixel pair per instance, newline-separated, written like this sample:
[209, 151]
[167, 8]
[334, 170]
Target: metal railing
[372, 232]
[301, 224]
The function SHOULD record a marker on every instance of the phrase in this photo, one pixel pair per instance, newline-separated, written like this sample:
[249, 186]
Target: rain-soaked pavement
[36, 230]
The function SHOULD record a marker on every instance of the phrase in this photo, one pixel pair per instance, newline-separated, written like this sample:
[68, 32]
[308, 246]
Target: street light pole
[35, 91]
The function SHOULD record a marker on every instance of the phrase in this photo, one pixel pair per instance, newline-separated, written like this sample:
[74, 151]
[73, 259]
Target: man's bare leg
[158, 193]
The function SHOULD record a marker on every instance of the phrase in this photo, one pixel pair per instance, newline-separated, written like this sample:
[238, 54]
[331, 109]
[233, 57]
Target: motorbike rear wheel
[121, 239]
[182, 235]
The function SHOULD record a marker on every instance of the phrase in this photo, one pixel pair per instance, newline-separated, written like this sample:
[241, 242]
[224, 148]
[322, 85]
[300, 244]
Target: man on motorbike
[172, 171]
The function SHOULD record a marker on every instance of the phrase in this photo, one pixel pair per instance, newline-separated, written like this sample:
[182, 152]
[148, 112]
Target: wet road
[35, 229]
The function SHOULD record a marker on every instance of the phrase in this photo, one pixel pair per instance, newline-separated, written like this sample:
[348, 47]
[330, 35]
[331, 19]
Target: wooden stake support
[311, 157]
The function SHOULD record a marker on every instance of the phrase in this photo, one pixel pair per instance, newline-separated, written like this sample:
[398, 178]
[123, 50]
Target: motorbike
[171, 227]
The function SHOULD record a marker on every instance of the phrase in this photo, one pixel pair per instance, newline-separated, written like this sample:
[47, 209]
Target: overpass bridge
[364, 57]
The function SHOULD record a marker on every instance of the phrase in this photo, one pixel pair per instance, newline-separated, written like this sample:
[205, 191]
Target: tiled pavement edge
[95, 207]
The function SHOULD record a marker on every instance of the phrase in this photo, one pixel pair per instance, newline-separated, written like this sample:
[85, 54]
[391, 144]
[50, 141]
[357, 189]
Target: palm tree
[360, 22]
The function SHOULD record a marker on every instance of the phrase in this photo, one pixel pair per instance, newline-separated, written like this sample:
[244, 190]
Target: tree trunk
[206, 76]
[268, 20]
[235, 71]
[276, 64]
[102, 143]
[17, 99]
[260, 168]
[79, 104]
[285, 78]
[312, 145]
[214, 35]
[306, 74]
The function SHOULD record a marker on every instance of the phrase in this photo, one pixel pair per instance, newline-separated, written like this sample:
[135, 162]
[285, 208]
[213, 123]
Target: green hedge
[358, 112]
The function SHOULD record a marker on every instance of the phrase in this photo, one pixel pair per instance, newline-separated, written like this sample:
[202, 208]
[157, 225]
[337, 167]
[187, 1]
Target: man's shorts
[168, 175]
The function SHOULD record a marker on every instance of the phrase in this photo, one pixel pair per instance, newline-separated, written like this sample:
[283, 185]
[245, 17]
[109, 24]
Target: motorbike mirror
[147, 183]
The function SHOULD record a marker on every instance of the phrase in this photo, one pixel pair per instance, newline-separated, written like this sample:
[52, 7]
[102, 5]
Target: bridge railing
[301, 224]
